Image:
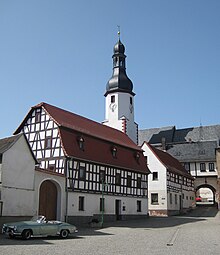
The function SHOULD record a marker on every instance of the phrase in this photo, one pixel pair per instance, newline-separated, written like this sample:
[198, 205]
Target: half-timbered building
[170, 186]
[101, 168]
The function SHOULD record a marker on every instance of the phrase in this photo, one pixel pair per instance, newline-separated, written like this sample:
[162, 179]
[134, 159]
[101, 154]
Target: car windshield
[39, 218]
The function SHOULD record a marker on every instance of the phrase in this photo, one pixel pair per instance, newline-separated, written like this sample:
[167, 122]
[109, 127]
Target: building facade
[195, 148]
[17, 165]
[170, 186]
[98, 169]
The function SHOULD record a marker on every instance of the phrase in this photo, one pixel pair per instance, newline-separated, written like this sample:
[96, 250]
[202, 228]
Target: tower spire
[119, 80]
[119, 32]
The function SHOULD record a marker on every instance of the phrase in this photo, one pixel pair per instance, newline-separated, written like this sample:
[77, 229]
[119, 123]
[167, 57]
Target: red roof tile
[98, 139]
[171, 163]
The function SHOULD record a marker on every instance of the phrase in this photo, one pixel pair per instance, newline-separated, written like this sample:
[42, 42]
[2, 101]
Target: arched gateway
[211, 199]
[48, 200]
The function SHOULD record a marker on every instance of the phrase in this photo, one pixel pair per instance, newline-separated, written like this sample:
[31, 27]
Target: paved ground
[192, 234]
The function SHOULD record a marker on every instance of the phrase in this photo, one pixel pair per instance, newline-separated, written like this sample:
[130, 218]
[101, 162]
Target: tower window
[131, 101]
[112, 99]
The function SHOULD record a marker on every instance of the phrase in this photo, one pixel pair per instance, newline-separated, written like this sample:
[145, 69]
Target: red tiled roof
[99, 151]
[171, 163]
[98, 139]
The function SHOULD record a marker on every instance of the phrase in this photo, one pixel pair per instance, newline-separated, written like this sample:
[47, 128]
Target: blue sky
[60, 52]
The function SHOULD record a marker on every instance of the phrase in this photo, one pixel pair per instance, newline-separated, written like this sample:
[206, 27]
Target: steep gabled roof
[193, 152]
[173, 135]
[81, 124]
[172, 164]
[155, 135]
[7, 142]
[98, 139]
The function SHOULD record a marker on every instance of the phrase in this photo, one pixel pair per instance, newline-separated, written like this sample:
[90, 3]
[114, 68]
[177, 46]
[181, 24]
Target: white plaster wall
[18, 167]
[18, 202]
[158, 186]
[195, 169]
[122, 109]
[92, 204]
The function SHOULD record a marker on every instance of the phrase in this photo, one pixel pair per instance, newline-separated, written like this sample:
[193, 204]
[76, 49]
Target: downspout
[66, 187]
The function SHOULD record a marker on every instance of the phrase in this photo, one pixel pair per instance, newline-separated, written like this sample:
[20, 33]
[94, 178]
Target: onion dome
[119, 82]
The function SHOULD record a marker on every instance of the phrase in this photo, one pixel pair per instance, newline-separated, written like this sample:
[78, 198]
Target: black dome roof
[119, 80]
[119, 48]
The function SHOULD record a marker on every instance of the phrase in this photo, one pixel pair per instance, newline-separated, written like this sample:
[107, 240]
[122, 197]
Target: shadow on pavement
[196, 215]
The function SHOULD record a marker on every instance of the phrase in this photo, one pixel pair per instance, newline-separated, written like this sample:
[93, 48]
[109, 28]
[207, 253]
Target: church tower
[119, 96]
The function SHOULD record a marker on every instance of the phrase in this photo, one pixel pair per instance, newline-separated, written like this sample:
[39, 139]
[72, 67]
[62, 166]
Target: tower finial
[119, 32]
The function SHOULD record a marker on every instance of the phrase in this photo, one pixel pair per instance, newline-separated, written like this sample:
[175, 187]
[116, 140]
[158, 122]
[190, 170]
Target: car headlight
[15, 228]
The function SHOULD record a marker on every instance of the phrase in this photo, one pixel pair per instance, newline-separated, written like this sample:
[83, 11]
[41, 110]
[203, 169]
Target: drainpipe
[66, 188]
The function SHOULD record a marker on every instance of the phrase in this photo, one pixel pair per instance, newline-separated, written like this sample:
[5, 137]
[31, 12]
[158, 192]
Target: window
[118, 179]
[102, 176]
[102, 205]
[114, 151]
[37, 117]
[171, 198]
[175, 198]
[82, 173]
[155, 176]
[81, 203]
[81, 143]
[112, 99]
[48, 142]
[129, 181]
[187, 166]
[154, 199]
[131, 101]
[202, 167]
[0, 158]
[139, 182]
[138, 206]
[211, 167]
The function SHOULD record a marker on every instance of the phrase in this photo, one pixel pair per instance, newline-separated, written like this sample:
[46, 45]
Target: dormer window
[114, 152]
[81, 143]
[137, 156]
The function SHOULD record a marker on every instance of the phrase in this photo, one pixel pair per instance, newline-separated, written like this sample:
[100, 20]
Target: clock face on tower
[113, 106]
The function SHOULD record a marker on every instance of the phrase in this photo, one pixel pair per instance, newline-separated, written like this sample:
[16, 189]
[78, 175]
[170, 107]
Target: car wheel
[26, 234]
[11, 236]
[64, 233]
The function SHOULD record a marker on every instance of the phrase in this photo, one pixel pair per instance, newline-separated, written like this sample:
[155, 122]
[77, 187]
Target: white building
[80, 161]
[20, 181]
[170, 186]
[195, 148]
[17, 165]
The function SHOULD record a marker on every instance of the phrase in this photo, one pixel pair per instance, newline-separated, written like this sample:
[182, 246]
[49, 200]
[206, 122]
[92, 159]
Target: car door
[48, 229]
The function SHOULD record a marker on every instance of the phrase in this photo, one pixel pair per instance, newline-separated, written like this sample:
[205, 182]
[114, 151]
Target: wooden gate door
[48, 200]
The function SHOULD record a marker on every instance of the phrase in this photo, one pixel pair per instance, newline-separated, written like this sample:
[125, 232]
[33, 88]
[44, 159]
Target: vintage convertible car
[38, 226]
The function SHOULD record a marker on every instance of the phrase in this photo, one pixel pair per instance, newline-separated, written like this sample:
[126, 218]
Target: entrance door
[48, 200]
[118, 209]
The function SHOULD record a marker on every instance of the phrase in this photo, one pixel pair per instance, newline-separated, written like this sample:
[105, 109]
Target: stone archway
[48, 200]
[211, 188]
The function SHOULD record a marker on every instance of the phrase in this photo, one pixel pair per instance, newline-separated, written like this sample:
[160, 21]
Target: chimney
[163, 143]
